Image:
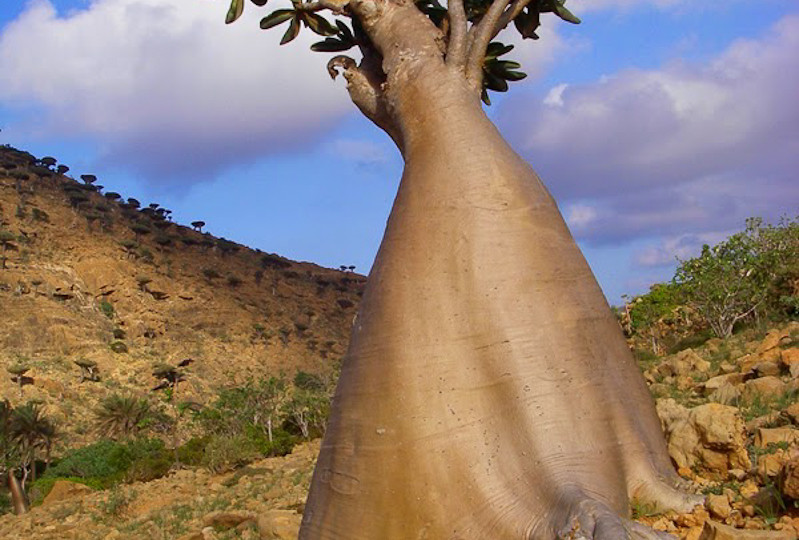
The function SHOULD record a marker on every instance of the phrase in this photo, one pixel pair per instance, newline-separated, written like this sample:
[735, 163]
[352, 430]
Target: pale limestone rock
[719, 506]
[730, 379]
[792, 412]
[772, 340]
[764, 387]
[764, 436]
[767, 369]
[769, 466]
[227, 520]
[789, 479]
[790, 360]
[711, 436]
[726, 395]
[279, 525]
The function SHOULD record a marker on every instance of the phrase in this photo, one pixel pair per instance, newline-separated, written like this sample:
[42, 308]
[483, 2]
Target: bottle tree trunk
[488, 391]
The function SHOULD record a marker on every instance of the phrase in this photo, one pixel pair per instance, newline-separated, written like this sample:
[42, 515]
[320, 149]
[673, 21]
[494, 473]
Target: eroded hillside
[88, 276]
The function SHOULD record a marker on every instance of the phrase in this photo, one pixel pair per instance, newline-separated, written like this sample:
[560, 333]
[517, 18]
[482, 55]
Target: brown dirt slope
[76, 273]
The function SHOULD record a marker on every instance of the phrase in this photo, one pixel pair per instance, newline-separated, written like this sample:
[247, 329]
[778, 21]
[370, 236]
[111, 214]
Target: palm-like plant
[122, 415]
[32, 431]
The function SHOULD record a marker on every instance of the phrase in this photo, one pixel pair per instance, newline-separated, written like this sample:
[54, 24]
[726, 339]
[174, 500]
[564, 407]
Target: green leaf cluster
[340, 37]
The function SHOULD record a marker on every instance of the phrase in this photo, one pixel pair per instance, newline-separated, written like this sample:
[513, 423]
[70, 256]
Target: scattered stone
[765, 437]
[227, 520]
[717, 531]
[789, 479]
[790, 360]
[279, 525]
[792, 412]
[719, 506]
[769, 466]
[763, 386]
[762, 421]
[719, 381]
[767, 369]
[711, 435]
[726, 395]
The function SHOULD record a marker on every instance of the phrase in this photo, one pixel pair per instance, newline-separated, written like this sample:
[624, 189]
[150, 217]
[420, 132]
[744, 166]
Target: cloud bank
[687, 148]
[165, 84]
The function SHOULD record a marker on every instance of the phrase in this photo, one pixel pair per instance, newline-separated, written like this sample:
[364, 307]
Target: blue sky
[657, 124]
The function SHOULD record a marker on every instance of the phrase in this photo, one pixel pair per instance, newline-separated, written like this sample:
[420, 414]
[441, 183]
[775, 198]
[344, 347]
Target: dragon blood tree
[488, 392]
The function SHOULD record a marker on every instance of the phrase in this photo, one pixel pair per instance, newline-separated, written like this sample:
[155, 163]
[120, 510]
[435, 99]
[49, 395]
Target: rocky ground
[262, 500]
[729, 410]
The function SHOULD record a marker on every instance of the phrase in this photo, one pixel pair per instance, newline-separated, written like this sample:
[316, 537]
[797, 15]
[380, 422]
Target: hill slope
[87, 274]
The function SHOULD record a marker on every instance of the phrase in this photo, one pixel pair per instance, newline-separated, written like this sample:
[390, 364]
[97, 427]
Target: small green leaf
[345, 31]
[492, 82]
[235, 11]
[496, 49]
[293, 30]
[565, 14]
[508, 64]
[485, 98]
[319, 24]
[276, 17]
[331, 45]
[513, 75]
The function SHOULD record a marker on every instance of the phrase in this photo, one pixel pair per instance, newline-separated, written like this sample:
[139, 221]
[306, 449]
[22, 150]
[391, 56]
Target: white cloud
[671, 249]
[165, 83]
[687, 147]
[580, 215]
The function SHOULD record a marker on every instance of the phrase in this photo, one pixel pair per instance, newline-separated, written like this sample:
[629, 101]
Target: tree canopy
[465, 31]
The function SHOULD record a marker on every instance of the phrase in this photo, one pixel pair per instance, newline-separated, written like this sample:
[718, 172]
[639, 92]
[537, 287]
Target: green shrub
[119, 346]
[119, 333]
[223, 453]
[5, 504]
[105, 462]
[107, 309]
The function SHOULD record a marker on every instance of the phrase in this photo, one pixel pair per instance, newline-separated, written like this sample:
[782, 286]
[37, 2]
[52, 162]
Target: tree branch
[516, 7]
[336, 6]
[364, 85]
[479, 37]
[456, 50]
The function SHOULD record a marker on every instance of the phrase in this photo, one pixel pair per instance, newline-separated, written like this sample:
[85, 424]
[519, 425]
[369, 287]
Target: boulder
[726, 395]
[767, 369]
[719, 506]
[711, 436]
[767, 387]
[227, 520]
[771, 341]
[765, 437]
[789, 358]
[717, 531]
[684, 363]
[279, 525]
[789, 479]
[730, 379]
[792, 412]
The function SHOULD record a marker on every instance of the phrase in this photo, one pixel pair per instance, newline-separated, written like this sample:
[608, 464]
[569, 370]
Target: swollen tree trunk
[18, 499]
[488, 391]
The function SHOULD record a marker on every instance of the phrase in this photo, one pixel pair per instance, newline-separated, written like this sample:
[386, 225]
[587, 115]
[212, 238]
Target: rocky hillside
[729, 411]
[86, 276]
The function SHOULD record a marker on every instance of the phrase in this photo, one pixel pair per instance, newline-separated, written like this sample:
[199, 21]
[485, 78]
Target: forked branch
[479, 37]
